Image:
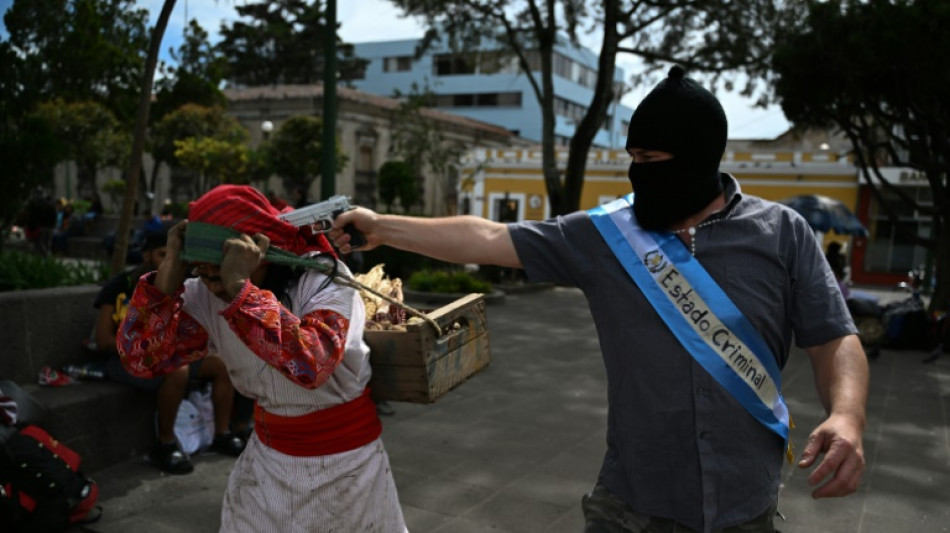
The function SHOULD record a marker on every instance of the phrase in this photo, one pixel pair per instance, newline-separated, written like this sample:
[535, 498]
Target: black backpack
[42, 488]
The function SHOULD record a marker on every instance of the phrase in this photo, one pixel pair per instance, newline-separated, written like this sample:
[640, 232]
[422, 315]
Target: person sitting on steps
[112, 303]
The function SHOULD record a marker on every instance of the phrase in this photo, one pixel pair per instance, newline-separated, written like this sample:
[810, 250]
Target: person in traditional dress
[293, 342]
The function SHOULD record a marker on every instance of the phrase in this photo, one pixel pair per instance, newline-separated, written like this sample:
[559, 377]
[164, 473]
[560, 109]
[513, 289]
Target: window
[397, 64]
[509, 99]
[487, 100]
[569, 110]
[449, 64]
[365, 160]
[506, 208]
[891, 247]
[479, 100]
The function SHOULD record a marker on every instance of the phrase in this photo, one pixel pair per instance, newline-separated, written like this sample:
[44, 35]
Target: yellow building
[507, 185]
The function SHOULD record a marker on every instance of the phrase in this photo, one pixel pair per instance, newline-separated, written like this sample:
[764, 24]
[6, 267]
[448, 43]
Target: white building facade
[491, 88]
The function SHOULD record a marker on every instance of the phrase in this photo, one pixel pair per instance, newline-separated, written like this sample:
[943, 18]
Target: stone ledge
[104, 422]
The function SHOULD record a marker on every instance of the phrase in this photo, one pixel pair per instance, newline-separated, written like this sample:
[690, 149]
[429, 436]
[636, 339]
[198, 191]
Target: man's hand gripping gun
[320, 217]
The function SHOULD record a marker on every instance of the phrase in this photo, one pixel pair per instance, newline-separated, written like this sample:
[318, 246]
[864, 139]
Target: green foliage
[193, 120]
[716, 37]
[442, 281]
[282, 42]
[296, 151]
[400, 263]
[216, 161]
[417, 140]
[114, 189]
[89, 132]
[177, 210]
[397, 180]
[877, 71]
[207, 141]
[81, 50]
[21, 271]
[196, 77]
[29, 151]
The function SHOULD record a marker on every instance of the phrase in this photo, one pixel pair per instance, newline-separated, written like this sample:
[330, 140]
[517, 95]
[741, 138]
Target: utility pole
[328, 172]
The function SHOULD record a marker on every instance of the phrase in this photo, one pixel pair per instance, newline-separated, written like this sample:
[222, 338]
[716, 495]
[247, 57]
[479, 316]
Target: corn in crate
[412, 362]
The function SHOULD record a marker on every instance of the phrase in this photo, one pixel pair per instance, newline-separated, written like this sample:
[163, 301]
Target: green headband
[204, 243]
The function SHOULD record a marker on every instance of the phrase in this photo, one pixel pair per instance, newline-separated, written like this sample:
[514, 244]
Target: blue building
[489, 87]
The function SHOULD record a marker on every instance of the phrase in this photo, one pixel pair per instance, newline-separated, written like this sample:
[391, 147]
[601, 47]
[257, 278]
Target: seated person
[112, 303]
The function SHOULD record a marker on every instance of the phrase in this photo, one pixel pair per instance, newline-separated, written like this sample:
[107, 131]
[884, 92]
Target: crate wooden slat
[418, 365]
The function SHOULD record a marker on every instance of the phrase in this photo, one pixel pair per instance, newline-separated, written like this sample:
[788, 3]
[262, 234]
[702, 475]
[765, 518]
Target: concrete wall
[44, 327]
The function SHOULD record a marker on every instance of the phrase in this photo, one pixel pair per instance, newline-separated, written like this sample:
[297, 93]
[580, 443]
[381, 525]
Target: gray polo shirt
[679, 446]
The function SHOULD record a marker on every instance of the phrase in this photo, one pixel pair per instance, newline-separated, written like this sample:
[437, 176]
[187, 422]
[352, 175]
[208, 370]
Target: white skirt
[271, 492]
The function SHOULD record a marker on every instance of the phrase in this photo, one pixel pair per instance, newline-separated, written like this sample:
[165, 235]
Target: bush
[22, 271]
[442, 281]
[400, 263]
[177, 210]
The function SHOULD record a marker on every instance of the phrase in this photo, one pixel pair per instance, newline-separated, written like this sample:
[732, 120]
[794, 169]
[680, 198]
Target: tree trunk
[138, 142]
[552, 178]
[594, 117]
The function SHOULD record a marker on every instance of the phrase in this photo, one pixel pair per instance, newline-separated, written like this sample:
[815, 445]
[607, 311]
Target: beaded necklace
[691, 231]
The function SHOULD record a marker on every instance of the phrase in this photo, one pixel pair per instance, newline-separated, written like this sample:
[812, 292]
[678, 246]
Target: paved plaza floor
[514, 448]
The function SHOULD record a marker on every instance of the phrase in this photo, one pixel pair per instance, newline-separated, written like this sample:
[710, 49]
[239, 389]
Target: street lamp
[266, 127]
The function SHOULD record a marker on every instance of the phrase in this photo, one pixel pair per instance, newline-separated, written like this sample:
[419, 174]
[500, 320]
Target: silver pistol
[319, 217]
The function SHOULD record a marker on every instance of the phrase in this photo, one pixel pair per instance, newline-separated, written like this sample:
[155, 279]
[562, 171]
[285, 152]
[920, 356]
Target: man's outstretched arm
[461, 239]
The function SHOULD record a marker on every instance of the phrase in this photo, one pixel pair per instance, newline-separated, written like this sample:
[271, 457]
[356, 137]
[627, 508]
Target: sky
[379, 20]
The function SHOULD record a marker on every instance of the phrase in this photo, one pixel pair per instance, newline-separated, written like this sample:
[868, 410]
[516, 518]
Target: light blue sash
[698, 312]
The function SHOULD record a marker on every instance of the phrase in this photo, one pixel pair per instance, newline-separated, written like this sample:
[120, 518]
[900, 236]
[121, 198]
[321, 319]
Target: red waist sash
[337, 429]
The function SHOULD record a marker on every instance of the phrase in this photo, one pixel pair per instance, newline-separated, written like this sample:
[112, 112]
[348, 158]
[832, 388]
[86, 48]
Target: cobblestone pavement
[514, 448]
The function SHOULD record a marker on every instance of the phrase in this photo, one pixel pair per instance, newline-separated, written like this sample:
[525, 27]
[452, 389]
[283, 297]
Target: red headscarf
[243, 208]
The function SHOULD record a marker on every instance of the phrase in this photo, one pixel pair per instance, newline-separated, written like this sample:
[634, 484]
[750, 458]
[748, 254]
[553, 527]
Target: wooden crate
[419, 365]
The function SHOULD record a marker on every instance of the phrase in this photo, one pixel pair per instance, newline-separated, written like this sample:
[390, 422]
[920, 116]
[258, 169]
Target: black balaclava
[680, 117]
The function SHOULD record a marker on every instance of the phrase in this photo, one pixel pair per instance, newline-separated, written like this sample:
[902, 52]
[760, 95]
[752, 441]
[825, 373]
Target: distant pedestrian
[39, 219]
[834, 254]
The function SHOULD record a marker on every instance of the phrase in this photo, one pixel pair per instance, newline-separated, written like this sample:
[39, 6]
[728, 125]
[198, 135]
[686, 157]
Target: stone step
[104, 422]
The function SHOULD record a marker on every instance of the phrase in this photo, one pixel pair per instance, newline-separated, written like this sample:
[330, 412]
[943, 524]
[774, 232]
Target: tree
[81, 50]
[216, 161]
[91, 135]
[877, 70]
[281, 43]
[192, 121]
[138, 140]
[28, 148]
[418, 141]
[296, 150]
[716, 37]
[194, 79]
[397, 180]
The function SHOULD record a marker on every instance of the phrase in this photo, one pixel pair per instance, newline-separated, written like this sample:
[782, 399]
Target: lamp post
[266, 128]
[328, 161]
